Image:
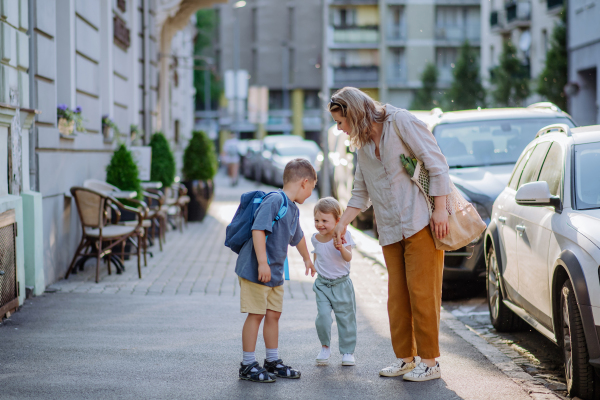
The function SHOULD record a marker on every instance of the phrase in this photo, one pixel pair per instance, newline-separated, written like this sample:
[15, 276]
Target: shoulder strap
[412, 154]
[283, 209]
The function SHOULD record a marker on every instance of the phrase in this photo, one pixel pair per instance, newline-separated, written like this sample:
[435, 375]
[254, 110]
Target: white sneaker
[400, 367]
[323, 357]
[424, 373]
[348, 359]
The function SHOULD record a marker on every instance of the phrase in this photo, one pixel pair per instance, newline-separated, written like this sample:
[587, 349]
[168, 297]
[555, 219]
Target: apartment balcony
[312, 119]
[353, 2]
[554, 6]
[518, 14]
[498, 21]
[279, 121]
[396, 33]
[356, 76]
[458, 34]
[352, 37]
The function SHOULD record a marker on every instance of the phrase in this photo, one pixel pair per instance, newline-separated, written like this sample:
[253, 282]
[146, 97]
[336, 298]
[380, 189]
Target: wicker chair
[93, 208]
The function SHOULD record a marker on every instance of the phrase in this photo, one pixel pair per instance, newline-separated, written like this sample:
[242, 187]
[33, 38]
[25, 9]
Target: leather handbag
[464, 223]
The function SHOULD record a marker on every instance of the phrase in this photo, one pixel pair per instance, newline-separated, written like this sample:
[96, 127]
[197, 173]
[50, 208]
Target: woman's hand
[439, 218]
[339, 232]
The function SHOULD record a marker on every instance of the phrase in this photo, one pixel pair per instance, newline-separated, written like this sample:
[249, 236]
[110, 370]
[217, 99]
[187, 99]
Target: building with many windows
[528, 24]
[99, 57]
[383, 46]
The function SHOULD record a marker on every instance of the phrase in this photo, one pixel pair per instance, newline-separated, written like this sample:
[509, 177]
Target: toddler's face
[324, 222]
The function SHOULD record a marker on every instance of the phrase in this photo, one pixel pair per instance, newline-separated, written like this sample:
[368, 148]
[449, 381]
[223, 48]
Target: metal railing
[396, 32]
[470, 32]
[356, 75]
[356, 34]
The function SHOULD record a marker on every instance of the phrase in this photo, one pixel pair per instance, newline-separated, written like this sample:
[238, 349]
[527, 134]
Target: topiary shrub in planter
[163, 167]
[199, 168]
[122, 172]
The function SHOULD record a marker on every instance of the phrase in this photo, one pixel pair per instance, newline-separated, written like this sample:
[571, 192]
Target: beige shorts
[257, 299]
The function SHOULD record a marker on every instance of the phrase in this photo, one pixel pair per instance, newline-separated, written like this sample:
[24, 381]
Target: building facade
[383, 46]
[104, 57]
[528, 24]
[583, 41]
[279, 43]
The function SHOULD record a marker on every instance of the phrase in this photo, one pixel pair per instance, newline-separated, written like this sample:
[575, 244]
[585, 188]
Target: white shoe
[348, 359]
[424, 373]
[323, 357]
[400, 367]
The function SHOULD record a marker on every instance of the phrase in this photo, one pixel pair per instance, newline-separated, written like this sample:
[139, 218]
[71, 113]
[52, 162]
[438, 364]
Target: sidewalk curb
[369, 248]
[528, 383]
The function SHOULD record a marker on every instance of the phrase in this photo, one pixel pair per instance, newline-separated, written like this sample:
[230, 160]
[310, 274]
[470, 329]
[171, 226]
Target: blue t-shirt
[284, 232]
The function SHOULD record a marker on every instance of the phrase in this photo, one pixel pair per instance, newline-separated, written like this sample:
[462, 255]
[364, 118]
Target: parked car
[284, 152]
[251, 158]
[543, 249]
[264, 160]
[481, 147]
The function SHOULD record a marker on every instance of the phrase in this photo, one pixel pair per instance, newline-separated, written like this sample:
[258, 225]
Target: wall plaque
[121, 33]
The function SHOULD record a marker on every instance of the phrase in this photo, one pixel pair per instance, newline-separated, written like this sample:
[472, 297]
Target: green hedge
[122, 171]
[163, 167]
[199, 159]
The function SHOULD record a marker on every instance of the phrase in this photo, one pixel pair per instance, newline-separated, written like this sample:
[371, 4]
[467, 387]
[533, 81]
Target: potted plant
[199, 168]
[109, 129]
[162, 167]
[122, 172]
[68, 120]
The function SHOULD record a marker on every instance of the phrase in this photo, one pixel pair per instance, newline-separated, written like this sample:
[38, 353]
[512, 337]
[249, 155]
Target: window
[397, 71]
[552, 169]
[514, 180]
[587, 184]
[291, 24]
[311, 100]
[254, 24]
[532, 168]
[176, 131]
[445, 59]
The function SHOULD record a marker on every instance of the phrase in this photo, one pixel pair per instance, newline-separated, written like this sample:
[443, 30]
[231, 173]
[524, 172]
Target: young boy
[260, 268]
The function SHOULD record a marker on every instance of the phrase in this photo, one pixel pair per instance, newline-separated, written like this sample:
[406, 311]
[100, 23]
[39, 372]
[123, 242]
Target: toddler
[333, 286]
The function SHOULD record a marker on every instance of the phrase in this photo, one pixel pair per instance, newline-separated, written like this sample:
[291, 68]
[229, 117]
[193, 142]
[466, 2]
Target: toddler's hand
[339, 245]
[309, 267]
[264, 273]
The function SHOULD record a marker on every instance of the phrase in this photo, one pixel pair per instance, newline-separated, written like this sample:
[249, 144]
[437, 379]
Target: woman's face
[342, 122]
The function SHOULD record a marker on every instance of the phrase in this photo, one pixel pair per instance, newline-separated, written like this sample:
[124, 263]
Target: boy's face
[324, 222]
[306, 188]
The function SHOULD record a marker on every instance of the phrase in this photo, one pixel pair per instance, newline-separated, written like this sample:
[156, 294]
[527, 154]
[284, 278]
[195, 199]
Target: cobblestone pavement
[176, 332]
[529, 349]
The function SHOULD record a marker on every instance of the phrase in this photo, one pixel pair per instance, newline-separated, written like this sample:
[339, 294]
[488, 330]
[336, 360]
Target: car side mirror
[537, 194]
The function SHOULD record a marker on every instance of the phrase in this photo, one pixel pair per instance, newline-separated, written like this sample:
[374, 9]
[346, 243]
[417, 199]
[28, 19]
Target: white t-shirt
[329, 263]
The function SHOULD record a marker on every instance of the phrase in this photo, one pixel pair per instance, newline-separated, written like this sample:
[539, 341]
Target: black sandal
[285, 371]
[247, 374]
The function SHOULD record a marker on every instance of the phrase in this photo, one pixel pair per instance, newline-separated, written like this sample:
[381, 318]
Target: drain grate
[8, 264]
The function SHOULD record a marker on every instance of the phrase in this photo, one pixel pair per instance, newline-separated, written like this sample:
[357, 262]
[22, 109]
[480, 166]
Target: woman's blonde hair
[329, 205]
[361, 112]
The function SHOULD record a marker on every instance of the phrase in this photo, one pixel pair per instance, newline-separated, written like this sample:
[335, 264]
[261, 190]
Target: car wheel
[502, 317]
[578, 372]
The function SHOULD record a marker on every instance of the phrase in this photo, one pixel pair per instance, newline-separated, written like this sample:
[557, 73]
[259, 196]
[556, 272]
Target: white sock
[249, 357]
[272, 355]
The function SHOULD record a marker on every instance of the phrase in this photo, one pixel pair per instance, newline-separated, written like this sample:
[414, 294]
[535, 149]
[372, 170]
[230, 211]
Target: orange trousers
[415, 270]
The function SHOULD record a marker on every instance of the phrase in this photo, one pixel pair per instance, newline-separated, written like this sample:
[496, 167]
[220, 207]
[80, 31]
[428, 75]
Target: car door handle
[502, 219]
[520, 228]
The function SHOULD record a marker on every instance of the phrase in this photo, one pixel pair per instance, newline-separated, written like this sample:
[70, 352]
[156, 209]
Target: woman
[231, 157]
[403, 223]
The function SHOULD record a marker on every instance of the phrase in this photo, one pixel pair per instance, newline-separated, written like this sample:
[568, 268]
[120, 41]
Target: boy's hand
[309, 266]
[264, 273]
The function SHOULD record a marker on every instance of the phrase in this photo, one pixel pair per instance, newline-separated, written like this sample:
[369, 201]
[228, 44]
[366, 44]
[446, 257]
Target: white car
[543, 249]
[284, 152]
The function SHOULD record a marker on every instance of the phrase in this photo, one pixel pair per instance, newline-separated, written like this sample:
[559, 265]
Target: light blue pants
[337, 296]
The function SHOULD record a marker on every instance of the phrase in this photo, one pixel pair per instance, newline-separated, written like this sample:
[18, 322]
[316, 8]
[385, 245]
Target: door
[533, 234]
[507, 223]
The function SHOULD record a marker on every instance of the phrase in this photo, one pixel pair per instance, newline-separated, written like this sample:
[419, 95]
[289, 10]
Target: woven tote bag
[464, 223]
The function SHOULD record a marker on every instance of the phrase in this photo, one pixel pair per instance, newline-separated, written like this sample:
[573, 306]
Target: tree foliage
[510, 79]
[206, 25]
[466, 91]
[425, 96]
[199, 158]
[163, 166]
[122, 171]
[552, 80]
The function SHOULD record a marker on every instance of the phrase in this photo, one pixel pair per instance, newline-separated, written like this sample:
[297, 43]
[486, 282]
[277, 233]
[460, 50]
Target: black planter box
[201, 194]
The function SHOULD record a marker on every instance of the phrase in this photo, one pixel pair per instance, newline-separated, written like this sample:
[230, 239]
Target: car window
[552, 168]
[488, 142]
[514, 180]
[534, 164]
[587, 184]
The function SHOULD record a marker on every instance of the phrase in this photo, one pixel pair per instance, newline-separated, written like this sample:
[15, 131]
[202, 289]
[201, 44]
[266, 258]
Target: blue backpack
[239, 231]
